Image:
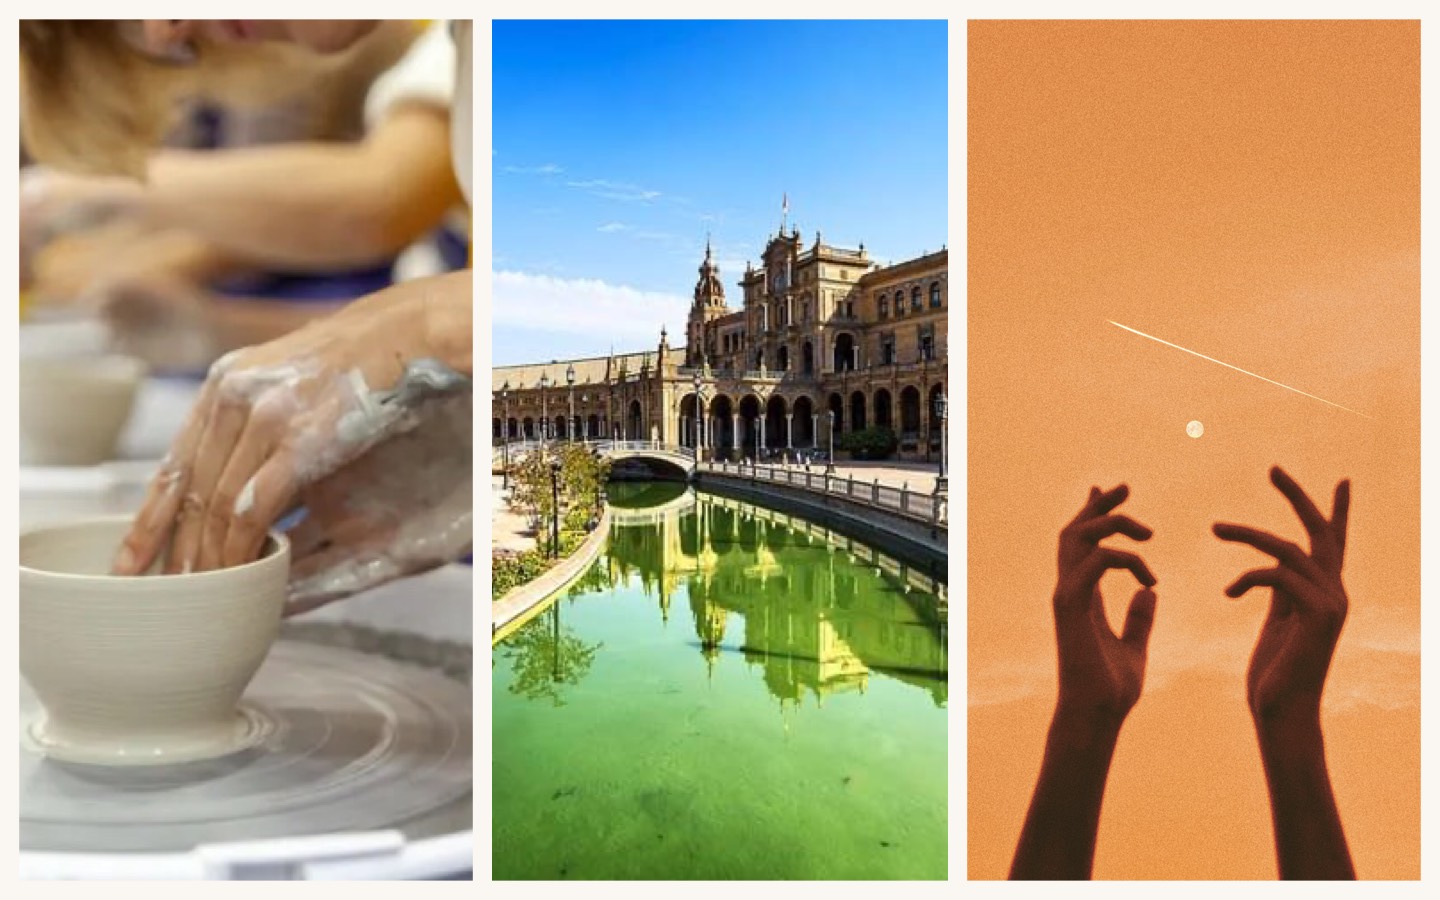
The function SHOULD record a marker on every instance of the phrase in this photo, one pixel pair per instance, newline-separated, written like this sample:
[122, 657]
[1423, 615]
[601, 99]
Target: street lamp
[830, 459]
[555, 507]
[940, 487]
[570, 382]
[505, 436]
[544, 407]
[696, 381]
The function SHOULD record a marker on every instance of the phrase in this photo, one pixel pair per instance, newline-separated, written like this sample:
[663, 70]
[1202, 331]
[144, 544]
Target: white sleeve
[426, 74]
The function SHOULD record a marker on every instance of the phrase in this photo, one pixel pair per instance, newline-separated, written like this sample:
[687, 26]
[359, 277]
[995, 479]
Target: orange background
[1249, 190]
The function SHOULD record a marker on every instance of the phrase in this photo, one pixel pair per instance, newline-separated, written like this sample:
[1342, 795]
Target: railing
[642, 447]
[922, 506]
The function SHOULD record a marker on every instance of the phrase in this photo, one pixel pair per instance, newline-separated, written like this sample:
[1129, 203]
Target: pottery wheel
[357, 743]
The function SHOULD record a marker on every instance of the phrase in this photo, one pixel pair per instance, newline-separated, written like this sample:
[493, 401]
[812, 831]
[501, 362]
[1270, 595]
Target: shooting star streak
[1236, 368]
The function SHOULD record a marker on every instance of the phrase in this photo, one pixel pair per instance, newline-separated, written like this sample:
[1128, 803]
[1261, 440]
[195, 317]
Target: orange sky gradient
[1251, 191]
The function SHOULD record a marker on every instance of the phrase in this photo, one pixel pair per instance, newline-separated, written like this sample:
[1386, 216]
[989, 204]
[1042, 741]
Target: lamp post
[695, 379]
[505, 436]
[555, 507]
[830, 459]
[940, 487]
[570, 383]
[544, 408]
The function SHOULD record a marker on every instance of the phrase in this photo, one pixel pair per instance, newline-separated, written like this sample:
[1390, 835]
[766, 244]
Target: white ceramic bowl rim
[275, 543]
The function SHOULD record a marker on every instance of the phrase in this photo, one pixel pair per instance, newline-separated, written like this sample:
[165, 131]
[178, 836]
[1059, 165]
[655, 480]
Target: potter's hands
[1100, 674]
[52, 203]
[275, 419]
[1307, 607]
[401, 509]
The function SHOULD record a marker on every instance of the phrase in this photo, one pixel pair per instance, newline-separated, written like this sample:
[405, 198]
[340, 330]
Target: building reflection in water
[818, 613]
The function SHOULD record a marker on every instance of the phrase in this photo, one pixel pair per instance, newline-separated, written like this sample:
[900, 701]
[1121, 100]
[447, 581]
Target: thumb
[1139, 620]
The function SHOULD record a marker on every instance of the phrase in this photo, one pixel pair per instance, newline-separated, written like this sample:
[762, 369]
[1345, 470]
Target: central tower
[709, 304]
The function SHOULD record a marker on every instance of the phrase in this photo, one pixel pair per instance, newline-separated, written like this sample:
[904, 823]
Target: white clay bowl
[141, 670]
[73, 410]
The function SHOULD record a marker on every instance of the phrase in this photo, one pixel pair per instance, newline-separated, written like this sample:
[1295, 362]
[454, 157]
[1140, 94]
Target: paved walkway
[509, 530]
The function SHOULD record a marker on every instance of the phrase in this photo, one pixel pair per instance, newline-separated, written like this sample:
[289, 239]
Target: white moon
[1194, 429]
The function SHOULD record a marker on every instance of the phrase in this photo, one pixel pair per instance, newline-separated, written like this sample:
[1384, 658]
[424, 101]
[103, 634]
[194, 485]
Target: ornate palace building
[822, 334]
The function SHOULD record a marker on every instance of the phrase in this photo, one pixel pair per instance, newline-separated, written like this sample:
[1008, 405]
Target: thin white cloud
[613, 228]
[606, 312]
[615, 190]
[546, 169]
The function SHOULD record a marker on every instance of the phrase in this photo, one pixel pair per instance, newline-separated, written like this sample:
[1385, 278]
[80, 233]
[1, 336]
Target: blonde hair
[91, 102]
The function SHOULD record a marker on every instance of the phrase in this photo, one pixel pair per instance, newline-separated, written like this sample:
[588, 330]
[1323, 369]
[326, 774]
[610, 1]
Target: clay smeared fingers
[217, 441]
[1286, 552]
[235, 493]
[1098, 529]
[271, 491]
[155, 525]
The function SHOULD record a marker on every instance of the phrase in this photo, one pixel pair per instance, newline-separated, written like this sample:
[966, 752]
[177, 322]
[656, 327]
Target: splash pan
[356, 742]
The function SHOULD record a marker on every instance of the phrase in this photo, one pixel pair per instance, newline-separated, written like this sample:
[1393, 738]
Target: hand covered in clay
[52, 203]
[401, 509]
[276, 420]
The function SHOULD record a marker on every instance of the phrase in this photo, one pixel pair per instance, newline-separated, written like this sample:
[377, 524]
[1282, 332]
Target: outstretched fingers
[1284, 551]
[1280, 577]
[1310, 516]
[1340, 518]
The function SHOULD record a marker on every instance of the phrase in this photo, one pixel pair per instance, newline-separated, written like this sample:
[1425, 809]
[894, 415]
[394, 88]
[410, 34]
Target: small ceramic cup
[73, 409]
[141, 670]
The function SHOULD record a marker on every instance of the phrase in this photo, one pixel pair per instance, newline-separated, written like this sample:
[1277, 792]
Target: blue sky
[618, 145]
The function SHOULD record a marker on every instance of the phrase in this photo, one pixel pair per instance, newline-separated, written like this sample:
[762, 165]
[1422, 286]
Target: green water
[726, 694]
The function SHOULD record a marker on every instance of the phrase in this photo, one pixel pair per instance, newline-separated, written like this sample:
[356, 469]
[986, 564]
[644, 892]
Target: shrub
[876, 442]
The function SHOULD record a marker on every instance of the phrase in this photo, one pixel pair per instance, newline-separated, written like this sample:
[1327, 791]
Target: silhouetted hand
[1100, 680]
[1287, 672]
[1100, 673]
[1307, 608]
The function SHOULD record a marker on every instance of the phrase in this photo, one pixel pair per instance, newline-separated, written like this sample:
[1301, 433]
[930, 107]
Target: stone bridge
[682, 458]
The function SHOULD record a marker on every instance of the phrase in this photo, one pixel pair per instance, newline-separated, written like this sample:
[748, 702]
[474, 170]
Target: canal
[727, 693]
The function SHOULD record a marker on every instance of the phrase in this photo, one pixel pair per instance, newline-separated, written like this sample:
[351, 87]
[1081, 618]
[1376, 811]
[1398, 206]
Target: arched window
[884, 306]
[915, 299]
[934, 295]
